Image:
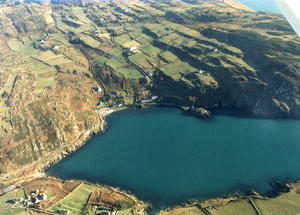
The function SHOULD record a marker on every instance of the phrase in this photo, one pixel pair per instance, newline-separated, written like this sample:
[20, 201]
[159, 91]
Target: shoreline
[103, 113]
[37, 168]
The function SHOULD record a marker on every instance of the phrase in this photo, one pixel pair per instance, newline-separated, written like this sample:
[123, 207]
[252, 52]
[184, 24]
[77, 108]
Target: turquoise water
[166, 157]
[262, 5]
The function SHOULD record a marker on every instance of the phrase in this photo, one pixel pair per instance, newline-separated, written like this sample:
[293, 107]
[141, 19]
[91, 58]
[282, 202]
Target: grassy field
[123, 39]
[90, 41]
[40, 68]
[286, 204]
[150, 50]
[76, 201]
[135, 34]
[83, 24]
[159, 29]
[192, 210]
[177, 68]
[44, 82]
[178, 40]
[14, 212]
[24, 48]
[169, 56]
[234, 208]
[80, 14]
[59, 37]
[99, 61]
[131, 43]
[120, 65]
[36, 37]
[15, 194]
[52, 59]
[116, 52]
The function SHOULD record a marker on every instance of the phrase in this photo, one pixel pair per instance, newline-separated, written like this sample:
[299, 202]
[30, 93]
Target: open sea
[262, 5]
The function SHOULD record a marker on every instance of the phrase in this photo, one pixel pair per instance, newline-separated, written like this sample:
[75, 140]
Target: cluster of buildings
[30, 200]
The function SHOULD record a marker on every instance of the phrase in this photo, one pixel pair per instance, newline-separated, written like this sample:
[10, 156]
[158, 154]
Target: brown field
[109, 197]
[55, 188]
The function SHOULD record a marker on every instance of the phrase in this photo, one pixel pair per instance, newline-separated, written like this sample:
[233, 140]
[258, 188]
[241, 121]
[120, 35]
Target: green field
[15, 194]
[150, 50]
[40, 68]
[79, 12]
[83, 24]
[159, 29]
[177, 68]
[286, 204]
[76, 201]
[234, 208]
[14, 212]
[116, 52]
[121, 66]
[192, 210]
[27, 49]
[44, 82]
[99, 61]
[169, 56]
[88, 40]
[122, 39]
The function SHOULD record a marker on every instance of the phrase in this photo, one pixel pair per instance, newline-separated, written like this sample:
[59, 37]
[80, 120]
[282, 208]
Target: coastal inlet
[166, 157]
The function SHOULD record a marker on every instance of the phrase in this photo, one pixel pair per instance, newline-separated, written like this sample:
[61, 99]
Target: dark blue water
[165, 157]
[262, 5]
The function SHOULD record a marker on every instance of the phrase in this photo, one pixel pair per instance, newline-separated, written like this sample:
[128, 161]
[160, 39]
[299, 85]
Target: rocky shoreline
[278, 189]
[38, 167]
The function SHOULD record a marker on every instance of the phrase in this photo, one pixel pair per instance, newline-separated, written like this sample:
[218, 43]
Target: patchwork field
[76, 197]
[61, 64]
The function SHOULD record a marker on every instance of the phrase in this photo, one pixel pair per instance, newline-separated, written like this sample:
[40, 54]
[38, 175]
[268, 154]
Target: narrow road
[91, 68]
[132, 64]
[135, 66]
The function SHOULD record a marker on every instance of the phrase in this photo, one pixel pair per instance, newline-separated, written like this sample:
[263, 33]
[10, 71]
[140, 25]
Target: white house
[133, 49]
[96, 89]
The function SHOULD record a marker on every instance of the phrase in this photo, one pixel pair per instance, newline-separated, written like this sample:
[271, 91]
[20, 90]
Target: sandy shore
[106, 111]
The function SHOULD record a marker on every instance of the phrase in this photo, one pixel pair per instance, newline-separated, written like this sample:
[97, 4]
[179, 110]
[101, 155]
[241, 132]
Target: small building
[96, 89]
[133, 49]
[34, 200]
[200, 71]
[55, 47]
[41, 41]
[42, 196]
